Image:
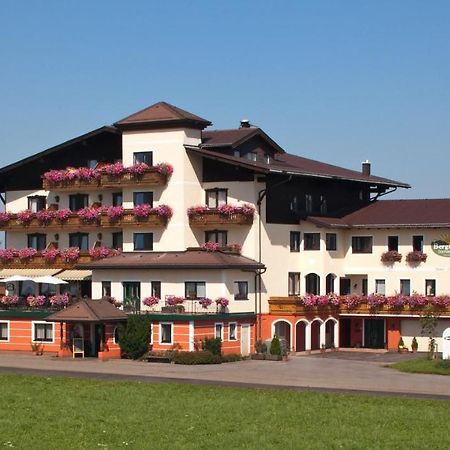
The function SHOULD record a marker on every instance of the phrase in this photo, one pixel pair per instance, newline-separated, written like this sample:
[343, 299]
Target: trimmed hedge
[193, 358]
[232, 357]
[135, 336]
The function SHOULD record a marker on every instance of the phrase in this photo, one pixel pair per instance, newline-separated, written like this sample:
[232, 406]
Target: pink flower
[62, 215]
[416, 257]
[51, 254]
[222, 302]
[88, 174]
[24, 217]
[211, 246]
[235, 247]
[173, 301]
[205, 302]
[442, 301]
[142, 211]
[323, 300]
[396, 301]
[7, 254]
[59, 300]
[375, 301]
[26, 254]
[197, 210]
[417, 301]
[151, 301]
[352, 301]
[228, 210]
[8, 300]
[70, 254]
[37, 301]
[45, 216]
[137, 169]
[334, 299]
[115, 169]
[309, 300]
[89, 214]
[391, 256]
[54, 176]
[5, 217]
[101, 252]
[164, 169]
[114, 213]
[163, 211]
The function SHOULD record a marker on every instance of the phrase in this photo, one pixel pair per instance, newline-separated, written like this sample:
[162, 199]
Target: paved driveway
[313, 372]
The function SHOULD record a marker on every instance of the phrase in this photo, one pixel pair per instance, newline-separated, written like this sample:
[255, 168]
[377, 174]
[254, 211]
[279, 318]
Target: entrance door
[245, 339]
[374, 333]
[345, 333]
[131, 296]
[99, 338]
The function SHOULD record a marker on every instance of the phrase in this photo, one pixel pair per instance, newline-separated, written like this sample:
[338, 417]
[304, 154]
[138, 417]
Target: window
[156, 288]
[143, 157]
[294, 241]
[117, 240]
[252, 156]
[4, 331]
[140, 198]
[106, 288]
[331, 241]
[27, 288]
[37, 241]
[131, 295]
[312, 284]
[430, 288]
[308, 203]
[80, 240]
[42, 332]
[218, 236]
[117, 199]
[362, 244]
[241, 290]
[78, 201]
[393, 243]
[47, 289]
[329, 283]
[417, 242]
[37, 202]
[405, 287]
[380, 287]
[365, 286]
[194, 289]
[294, 283]
[91, 163]
[312, 241]
[216, 197]
[218, 331]
[232, 331]
[323, 205]
[143, 241]
[165, 333]
[293, 203]
[236, 153]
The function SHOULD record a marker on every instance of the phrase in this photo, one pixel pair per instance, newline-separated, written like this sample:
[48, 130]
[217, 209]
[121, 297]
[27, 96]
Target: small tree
[428, 322]
[213, 345]
[135, 336]
[275, 346]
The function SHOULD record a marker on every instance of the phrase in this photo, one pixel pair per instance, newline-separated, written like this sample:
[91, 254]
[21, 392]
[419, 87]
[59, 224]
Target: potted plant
[401, 346]
[322, 348]
[414, 345]
[391, 256]
[275, 349]
[284, 355]
[416, 257]
[260, 349]
[37, 348]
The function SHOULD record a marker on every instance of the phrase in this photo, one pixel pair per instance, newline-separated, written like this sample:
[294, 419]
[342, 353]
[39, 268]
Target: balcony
[130, 219]
[226, 215]
[106, 176]
[414, 305]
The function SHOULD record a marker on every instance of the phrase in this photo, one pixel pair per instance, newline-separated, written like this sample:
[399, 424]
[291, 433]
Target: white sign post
[446, 344]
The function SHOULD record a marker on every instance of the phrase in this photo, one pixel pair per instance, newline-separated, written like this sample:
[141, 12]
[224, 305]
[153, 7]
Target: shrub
[213, 345]
[260, 347]
[275, 346]
[414, 343]
[444, 364]
[232, 357]
[135, 336]
[192, 358]
[401, 344]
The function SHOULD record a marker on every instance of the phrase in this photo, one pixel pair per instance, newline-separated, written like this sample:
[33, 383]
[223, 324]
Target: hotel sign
[441, 247]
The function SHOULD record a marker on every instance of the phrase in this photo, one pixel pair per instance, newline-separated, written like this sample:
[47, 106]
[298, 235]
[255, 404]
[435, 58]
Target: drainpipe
[261, 195]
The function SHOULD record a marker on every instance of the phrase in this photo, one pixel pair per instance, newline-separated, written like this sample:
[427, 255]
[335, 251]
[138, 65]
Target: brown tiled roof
[297, 165]
[234, 137]
[393, 214]
[88, 311]
[189, 259]
[162, 114]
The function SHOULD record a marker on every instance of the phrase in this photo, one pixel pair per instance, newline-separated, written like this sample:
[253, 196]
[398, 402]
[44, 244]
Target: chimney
[245, 123]
[366, 167]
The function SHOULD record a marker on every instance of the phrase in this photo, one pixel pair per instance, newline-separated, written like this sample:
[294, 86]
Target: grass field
[424, 365]
[58, 413]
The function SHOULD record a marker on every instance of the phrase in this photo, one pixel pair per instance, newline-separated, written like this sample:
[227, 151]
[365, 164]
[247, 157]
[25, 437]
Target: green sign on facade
[441, 247]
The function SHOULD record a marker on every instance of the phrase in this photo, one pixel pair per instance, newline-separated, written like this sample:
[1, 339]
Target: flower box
[213, 217]
[391, 256]
[151, 177]
[416, 257]
[128, 219]
[71, 185]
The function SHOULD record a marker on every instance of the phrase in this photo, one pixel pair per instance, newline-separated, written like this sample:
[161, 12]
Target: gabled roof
[420, 213]
[235, 137]
[162, 115]
[88, 311]
[296, 165]
[188, 259]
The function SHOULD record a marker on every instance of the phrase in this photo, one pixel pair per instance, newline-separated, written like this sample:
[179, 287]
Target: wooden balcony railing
[213, 218]
[39, 262]
[130, 220]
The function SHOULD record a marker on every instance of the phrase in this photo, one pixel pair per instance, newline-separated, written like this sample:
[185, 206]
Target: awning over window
[75, 275]
[32, 273]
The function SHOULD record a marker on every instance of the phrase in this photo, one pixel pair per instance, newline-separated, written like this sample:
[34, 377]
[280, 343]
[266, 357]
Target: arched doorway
[330, 335]
[329, 283]
[300, 336]
[283, 330]
[315, 334]
[312, 284]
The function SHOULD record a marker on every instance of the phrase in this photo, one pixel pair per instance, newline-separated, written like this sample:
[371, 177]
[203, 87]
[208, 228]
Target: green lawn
[423, 365]
[58, 413]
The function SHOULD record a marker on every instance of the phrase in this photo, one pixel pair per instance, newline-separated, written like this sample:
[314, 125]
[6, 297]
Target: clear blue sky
[339, 81]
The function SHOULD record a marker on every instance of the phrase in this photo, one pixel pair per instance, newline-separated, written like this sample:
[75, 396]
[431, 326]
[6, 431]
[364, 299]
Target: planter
[71, 185]
[149, 178]
[270, 357]
[130, 220]
[214, 218]
[403, 350]
[258, 356]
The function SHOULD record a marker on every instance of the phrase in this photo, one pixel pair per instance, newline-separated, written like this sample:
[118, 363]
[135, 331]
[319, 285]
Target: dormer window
[216, 197]
[251, 156]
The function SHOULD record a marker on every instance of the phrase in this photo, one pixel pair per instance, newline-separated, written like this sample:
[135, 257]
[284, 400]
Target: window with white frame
[232, 331]
[194, 289]
[294, 283]
[380, 287]
[405, 287]
[4, 331]
[166, 333]
[218, 330]
[216, 197]
[430, 288]
[43, 332]
[143, 158]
